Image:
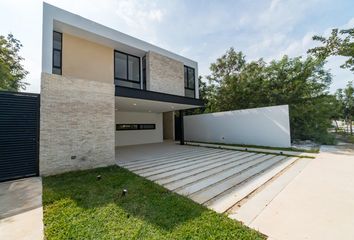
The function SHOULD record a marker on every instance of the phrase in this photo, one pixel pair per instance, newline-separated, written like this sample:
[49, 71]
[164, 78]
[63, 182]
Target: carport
[143, 116]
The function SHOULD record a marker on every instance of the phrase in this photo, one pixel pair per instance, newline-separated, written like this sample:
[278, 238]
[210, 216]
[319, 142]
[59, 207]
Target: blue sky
[199, 29]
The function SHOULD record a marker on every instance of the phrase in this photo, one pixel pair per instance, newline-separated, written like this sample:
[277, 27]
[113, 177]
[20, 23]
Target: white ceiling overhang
[126, 104]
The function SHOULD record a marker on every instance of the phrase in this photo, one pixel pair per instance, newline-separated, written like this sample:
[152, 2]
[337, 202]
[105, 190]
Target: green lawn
[78, 206]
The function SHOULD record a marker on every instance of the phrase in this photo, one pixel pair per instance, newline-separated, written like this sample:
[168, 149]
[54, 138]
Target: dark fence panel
[19, 135]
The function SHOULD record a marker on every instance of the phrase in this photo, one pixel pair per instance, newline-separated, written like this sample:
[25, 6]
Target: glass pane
[133, 68]
[126, 127]
[144, 72]
[56, 59]
[56, 71]
[147, 126]
[56, 40]
[189, 93]
[185, 77]
[127, 84]
[120, 68]
[191, 78]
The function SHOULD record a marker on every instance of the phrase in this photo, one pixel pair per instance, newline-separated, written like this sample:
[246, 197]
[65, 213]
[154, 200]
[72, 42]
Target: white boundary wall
[268, 126]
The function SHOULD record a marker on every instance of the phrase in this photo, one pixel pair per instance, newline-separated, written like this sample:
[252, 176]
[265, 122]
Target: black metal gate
[19, 135]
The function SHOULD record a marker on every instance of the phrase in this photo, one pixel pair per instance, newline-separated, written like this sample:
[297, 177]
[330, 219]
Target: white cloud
[140, 18]
[299, 47]
[201, 30]
[274, 4]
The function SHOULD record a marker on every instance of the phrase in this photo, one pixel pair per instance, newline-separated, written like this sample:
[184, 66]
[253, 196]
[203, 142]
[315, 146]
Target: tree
[301, 83]
[229, 64]
[12, 72]
[340, 43]
[346, 97]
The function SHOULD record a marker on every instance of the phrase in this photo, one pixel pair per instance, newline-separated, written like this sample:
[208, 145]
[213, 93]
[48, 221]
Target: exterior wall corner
[76, 124]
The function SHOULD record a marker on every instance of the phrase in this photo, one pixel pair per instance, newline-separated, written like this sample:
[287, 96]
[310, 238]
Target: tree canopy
[12, 72]
[339, 43]
[346, 99]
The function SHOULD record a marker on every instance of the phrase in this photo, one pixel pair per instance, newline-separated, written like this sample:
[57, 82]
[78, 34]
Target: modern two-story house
[101, 88]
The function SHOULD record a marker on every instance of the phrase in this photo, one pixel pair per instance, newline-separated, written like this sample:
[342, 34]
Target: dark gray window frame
[189, 87]
[144, 72]
[61, 54]
[139, 126]
[127, 79]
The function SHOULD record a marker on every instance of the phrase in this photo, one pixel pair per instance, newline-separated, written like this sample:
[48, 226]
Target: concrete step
[150, 158]
[254, 204]
[233, 195]
[179, 164]
[221, 187]
[155, 156]
[179, 174]
[210, 182]
[229, 166]
[167, 160]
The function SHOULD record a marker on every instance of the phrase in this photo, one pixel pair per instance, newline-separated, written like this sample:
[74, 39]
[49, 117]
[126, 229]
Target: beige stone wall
[164, 74]
[76, 125]
[87, 60]
[169, 125]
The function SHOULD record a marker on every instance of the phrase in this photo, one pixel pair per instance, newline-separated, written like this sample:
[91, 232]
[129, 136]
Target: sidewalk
[318, 203]
[21, 214]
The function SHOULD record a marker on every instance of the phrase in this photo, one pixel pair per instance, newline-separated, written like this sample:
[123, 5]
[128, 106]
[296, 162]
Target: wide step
[182, 173]
[222, 186]
[231, 197]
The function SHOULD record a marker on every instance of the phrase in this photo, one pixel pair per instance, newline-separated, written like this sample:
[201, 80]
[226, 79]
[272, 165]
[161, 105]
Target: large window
[189, 82]
[144, 72]
[126, 70]
[57, 53]
[123, 127]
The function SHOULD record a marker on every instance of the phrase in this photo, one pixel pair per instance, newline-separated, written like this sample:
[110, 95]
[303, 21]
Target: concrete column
[181, 113]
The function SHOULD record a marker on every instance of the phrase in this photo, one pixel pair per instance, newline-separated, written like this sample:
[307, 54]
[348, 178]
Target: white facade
[132, 137]
[267, 126]
[56, 19]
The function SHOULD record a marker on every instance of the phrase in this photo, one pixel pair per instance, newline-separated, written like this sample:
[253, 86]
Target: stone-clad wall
[76, 125]
[164, 74]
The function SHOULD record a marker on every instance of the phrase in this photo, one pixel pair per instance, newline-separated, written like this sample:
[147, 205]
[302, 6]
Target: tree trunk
[351, 125]
[336, 125]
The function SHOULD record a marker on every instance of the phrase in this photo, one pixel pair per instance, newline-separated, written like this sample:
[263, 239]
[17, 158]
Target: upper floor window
[144, 72]
[189, 82]
[57, 53]
[126, 70]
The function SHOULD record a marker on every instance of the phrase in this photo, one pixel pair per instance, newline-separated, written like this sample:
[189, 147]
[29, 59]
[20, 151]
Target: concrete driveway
[217, 178]
[21, 213]
[317, 204]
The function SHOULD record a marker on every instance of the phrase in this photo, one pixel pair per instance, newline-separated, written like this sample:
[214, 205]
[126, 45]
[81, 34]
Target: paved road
[318, 203]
